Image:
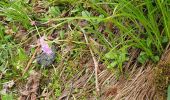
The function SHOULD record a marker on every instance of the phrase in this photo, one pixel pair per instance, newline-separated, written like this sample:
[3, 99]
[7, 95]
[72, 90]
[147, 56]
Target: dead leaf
[7, 86]
[111, 91]
[31, 87]
[77, 84]
[8, 30]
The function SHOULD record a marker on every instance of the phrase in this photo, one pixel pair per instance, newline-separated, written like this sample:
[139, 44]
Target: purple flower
[44, 46]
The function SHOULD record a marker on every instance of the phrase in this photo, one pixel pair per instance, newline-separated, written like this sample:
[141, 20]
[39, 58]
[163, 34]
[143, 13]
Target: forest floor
[84, 50]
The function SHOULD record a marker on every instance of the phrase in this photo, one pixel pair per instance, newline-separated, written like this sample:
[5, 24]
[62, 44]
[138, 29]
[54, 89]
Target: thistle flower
[44, 46]
[47, 56]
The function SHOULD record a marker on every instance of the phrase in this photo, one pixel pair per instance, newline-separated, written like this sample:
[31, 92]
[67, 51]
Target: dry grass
[143, 83]
[138, 84]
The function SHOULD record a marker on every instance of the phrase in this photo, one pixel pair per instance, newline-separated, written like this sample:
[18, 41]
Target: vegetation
[108, 34]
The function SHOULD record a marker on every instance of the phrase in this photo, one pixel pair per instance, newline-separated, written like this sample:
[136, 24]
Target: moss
[162, 80]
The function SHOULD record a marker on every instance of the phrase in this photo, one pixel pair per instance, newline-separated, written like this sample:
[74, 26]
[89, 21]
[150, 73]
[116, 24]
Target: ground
[84, 49]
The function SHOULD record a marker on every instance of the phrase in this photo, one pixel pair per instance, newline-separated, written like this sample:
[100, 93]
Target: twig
[30, 61]
[95, 63]
[70, 91]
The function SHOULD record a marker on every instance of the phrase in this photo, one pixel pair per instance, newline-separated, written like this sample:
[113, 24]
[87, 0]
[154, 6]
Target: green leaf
[111, 55]
[122, 57]
[142, 57]
[164, 39]
[156, 58]
[21, 54]
[54, 11]
[112, 65]
[85, 13]
[168, 98]
[7, 97]
[61, 34]
[149, 42]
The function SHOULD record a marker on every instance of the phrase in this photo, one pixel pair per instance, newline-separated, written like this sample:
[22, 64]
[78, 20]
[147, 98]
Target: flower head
[44, 46]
